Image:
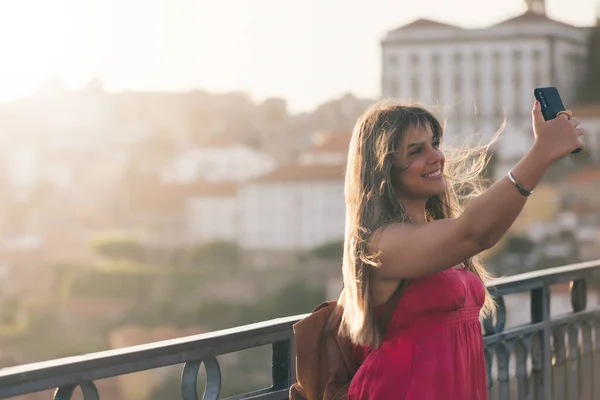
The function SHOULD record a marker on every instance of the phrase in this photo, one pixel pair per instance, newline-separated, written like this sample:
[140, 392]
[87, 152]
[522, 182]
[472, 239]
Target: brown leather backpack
[325, 361]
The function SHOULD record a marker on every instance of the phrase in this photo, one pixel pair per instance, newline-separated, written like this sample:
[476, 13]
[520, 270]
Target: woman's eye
[436, 144]
[416, 151]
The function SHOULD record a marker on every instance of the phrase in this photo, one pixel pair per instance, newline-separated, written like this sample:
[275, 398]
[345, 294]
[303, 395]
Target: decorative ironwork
[555, 356]
[89, 390]
[489, 326]
[521, 349]
[578, 291]
[189, 379]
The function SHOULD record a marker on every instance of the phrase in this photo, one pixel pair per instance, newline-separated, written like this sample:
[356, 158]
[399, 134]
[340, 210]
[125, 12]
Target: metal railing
[554, 357]
[545, 367]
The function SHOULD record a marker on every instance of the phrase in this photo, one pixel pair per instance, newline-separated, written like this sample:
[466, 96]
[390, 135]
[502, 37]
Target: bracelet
[520, 188]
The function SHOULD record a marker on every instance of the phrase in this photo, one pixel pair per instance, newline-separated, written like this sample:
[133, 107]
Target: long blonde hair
[371, 204]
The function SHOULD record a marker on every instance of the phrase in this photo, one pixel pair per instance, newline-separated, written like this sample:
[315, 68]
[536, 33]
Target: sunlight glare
[35, 38]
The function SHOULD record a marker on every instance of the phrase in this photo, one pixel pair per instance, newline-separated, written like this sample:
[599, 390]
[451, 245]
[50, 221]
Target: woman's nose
[434, 156]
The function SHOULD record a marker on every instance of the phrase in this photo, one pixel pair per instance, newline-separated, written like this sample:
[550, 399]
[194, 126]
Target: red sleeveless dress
[433, 347]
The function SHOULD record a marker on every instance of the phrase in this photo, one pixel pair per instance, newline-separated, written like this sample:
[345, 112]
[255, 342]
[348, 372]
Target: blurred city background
[176, 167]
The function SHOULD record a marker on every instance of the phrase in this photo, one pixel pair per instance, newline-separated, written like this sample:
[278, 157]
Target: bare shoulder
[411, 251]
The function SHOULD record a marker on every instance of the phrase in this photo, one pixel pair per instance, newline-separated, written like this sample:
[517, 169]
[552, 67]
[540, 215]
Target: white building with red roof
[296, 207]
[330, 148]
[219, 161]
[177, 215]
[212, 212]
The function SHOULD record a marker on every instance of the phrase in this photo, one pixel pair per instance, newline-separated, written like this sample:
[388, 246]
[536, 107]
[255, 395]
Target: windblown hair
[372, 204]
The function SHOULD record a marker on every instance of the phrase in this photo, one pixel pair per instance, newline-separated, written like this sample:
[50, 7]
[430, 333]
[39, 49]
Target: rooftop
[331, 142]
[304, 173]
[590, 110]
[584, 177]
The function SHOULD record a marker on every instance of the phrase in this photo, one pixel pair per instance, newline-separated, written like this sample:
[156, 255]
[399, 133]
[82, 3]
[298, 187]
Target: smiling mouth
[433, 175]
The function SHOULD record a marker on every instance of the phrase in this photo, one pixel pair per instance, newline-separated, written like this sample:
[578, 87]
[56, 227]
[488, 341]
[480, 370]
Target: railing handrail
[104, 364]
[218, 342]
[549, 276]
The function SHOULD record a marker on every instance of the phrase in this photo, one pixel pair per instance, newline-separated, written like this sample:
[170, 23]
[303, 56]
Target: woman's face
[420, 165]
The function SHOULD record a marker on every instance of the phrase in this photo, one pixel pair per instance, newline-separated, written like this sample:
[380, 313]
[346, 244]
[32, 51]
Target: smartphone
[551, 103]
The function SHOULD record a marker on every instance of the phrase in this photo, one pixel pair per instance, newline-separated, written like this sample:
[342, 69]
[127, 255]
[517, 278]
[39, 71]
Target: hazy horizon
[267, 48]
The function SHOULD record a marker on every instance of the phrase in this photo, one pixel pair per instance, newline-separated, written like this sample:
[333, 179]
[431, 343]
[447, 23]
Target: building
[330, 148]
[589, 116]
[582, 188]
[296, 207]
[479, 76]
[212, 212]
[172, 216]
[292, 209]
[218, 161]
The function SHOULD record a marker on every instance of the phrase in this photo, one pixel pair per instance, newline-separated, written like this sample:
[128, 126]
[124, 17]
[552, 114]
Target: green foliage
[296, 297]
[169, 389]
[218, 253]
[119, 248]
[489, 172]
[519, 244]
[551, 262]
[329, 251]
[97, 284]
[9, 308]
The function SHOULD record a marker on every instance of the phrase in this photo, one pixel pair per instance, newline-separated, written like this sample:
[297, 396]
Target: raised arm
[409, 251]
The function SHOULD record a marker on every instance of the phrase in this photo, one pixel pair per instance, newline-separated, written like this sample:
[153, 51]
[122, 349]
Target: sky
[306, 51]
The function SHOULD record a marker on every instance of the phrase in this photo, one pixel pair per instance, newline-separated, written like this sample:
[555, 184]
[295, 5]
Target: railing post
[541, 354]
[281, 365]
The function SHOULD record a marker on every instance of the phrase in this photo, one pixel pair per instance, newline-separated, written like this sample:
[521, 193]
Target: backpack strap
[389, 307]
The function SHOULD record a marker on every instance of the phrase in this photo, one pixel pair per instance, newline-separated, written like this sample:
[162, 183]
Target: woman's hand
[558, 137]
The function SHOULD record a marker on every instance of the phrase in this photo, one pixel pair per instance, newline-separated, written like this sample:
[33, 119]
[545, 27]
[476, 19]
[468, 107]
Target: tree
[332, 250]
[519, 245]
[551, 262]
[119, 248]
[217, 253]
[489, 172]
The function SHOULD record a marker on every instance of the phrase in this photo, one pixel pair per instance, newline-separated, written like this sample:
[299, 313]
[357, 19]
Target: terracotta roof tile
[586, 110]
[426, 24]
[331, 142]
[212, 189]
[584, 177]
[23, 257]
[160, 198]
[96, 308]
[581, 208]
[304, 173]
[530, 16]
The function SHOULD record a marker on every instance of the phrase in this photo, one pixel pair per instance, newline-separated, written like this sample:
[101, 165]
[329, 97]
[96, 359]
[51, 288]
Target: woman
[403, 222]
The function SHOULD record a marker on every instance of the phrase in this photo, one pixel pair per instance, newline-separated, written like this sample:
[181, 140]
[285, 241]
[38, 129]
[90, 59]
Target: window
[435, 77]
[457, 75]
[497, 60]
[517, 72]
[393, 87]
[414, 73]
[477, 78]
